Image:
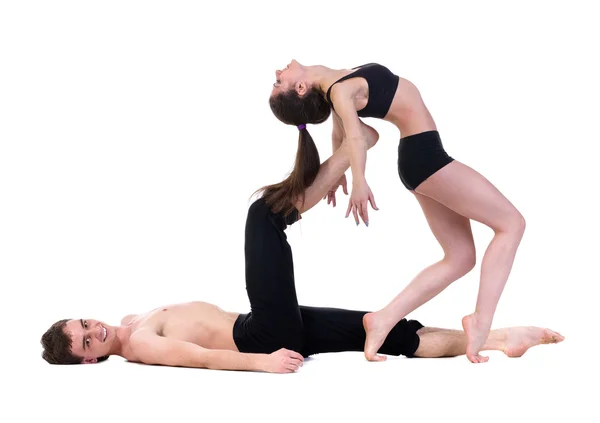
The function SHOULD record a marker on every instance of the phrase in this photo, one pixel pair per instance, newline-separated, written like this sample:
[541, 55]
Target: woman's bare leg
[454, 234]
[469, 194]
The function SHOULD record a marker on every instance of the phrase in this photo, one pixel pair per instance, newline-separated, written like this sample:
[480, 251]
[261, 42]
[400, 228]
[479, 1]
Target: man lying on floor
[199, 334]
[277, 333]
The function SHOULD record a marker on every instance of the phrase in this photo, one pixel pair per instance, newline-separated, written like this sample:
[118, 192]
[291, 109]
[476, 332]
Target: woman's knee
[519, 224]
[462, 259]
[513, 223]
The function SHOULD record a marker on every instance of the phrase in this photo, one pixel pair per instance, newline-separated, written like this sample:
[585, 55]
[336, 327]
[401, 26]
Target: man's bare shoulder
[137, 342]
[128, 319]
[143, 339]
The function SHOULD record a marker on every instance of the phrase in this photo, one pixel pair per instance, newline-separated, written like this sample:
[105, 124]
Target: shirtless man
[198, 334]
[278, 333]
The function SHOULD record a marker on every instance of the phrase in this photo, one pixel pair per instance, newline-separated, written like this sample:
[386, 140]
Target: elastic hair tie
[301, 127]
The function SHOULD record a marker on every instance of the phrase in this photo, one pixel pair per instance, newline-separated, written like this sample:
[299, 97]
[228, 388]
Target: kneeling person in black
[277, 321]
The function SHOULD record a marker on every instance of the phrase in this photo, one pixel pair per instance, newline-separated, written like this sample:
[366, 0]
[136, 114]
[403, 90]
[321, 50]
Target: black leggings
[277, 321]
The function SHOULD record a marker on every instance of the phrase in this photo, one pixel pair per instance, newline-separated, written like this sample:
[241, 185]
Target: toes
[557, 337]
[551, 337]
[476, 358]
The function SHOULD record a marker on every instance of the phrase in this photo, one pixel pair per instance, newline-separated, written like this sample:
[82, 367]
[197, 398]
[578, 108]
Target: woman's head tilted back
[296, 101]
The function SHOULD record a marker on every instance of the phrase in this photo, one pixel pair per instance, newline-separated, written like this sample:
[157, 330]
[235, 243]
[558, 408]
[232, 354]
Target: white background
[132, 135]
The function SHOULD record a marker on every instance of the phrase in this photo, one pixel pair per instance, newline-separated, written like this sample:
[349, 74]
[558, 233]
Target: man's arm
[150, 348]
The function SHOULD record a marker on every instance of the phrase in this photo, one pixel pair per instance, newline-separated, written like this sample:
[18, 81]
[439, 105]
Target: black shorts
[419, 157]
[277, 321]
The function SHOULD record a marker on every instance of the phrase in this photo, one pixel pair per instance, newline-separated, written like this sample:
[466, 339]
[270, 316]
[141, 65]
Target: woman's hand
[331, 194]
[359, 199]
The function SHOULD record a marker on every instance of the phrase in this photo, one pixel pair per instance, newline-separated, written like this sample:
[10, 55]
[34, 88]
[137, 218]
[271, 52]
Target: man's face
[91, 339]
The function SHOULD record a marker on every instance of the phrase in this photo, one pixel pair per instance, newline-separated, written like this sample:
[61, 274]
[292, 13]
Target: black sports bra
[382, 88]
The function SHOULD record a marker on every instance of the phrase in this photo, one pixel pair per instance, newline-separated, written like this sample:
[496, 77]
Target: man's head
[78, 341]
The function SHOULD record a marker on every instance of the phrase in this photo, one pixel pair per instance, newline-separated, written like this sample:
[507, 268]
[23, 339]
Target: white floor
[546, 383]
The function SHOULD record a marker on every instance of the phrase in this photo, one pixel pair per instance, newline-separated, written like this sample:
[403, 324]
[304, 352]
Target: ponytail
[282, 197]
[292, 109]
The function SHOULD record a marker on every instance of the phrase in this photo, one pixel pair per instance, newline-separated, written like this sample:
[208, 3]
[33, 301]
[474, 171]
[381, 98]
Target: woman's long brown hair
[293, 109]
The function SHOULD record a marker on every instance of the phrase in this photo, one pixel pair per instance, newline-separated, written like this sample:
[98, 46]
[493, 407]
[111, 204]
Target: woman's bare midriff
[408, 111]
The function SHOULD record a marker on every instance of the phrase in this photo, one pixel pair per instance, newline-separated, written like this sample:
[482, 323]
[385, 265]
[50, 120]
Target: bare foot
[477, 333]
[519, 340]
[376, 334]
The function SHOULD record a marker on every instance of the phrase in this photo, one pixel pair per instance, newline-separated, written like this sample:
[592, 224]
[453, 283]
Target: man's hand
[283, 361]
